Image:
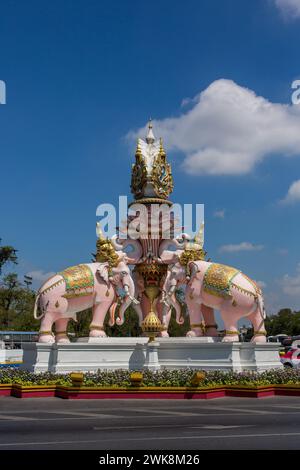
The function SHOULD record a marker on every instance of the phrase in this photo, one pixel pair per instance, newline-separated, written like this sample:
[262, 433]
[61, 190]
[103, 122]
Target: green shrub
[162, 378]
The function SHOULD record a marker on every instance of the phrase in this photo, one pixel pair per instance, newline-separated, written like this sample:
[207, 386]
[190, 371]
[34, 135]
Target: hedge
[162, 378]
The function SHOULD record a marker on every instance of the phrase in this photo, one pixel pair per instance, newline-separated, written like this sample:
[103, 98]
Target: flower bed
[185, 383]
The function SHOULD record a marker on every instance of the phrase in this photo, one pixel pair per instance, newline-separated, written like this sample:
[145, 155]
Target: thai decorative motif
[106, 253]
[217, 280]
[151, 174]
[79, 281]
[191, 255]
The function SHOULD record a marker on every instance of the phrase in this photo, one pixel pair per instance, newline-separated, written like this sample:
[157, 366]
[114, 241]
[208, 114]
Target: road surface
[225, 423]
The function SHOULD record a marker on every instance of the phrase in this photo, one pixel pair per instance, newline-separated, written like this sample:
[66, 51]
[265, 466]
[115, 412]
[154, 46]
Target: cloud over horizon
[293, 194]
[289, 8]
[291, 284]
[243, 246]
[229, 130]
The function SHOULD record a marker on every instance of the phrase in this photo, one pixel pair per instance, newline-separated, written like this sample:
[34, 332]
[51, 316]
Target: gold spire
[150, 139]
[161, 148]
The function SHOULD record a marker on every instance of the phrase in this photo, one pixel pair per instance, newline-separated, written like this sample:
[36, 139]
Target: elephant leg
[209, 319]
[231, 331]
[196, 320]
[164, 314]
[96, 327]
[45, 333]
[258, 326]
[61, 326]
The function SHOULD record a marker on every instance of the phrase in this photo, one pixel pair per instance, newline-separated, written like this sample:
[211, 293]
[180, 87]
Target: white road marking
[17, 418]
[286, 406]
[246, 410]
[222, 426]
[81, 413]
[174, 413]
[166, 438]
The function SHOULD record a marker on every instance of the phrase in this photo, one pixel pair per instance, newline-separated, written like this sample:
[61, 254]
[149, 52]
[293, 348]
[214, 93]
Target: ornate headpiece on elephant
[105, 250]
[193, 250]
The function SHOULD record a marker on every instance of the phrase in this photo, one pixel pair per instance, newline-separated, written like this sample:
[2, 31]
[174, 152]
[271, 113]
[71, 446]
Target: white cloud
[40, 276]
[229, 130]
[293, 194]
[261, 284]
[283, 251]
[289, 8]
[243, 246]
[291, 284]
[220, 214]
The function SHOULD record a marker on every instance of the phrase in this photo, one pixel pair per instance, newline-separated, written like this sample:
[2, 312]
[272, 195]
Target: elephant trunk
[169, 298]
[112, 312]
[176, 305]
[129, 297]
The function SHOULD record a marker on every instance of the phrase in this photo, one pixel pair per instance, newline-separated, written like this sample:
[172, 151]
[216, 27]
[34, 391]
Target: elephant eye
[123, 273]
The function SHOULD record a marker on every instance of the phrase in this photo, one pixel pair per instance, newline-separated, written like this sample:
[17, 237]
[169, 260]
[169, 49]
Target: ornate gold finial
[150, 139]
[152, 326]
[151, 175]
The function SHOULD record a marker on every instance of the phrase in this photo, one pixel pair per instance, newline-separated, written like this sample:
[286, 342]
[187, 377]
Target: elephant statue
[95, 285]
[215, 286]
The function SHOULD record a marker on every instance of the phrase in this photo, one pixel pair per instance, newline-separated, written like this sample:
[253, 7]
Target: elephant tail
[36, 304]
[261, 306]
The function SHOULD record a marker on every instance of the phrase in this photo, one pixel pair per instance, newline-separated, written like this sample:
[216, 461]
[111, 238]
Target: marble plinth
[89, 355]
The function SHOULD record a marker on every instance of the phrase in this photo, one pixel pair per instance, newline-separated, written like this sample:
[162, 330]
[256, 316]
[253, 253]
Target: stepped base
[89, 355]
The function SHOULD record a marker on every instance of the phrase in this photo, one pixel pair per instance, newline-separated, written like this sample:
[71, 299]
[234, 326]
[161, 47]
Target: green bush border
[163, 378]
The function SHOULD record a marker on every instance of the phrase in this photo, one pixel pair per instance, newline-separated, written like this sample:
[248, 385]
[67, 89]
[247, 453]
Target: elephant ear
[102, 273]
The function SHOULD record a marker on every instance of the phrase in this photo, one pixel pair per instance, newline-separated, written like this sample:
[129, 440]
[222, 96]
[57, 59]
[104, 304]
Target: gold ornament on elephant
[106, 252]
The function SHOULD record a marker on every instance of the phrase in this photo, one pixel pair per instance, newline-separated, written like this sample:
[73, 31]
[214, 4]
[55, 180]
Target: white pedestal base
[136, 354]
[152, 362]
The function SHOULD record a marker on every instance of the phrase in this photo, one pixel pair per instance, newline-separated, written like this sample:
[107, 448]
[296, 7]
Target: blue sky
[82, 80]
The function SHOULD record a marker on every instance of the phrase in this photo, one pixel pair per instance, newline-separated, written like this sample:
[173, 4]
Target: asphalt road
[224, 423]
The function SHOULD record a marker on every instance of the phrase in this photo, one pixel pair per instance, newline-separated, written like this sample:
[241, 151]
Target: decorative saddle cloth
[217, 280]
[79, 281]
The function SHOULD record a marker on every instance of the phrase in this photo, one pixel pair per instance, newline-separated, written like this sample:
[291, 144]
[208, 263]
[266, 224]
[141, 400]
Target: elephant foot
[230, 338]
[194, 332]
[46, 338]
[212, 332]
[97, 332]
[62, 340]
[258, 339]
[164, 334]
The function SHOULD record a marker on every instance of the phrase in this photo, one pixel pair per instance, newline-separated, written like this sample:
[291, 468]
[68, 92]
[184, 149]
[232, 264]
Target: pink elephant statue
[215, 286]
[78, 288]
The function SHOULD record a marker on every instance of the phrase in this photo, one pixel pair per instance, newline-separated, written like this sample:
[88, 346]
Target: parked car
[289, 340]
[291, 358]
[277, 338]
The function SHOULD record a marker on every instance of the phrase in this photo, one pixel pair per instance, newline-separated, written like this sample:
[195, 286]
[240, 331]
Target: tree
[286, 321]
[8, 254]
